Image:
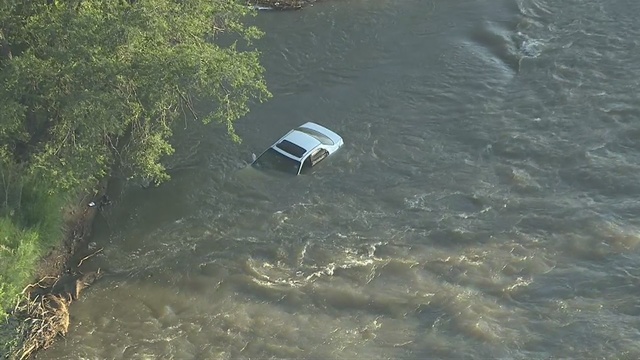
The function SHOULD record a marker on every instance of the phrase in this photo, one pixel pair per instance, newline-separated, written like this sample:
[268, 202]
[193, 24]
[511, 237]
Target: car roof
[304, 141]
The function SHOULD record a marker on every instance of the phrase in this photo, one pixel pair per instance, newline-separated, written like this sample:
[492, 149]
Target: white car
[300, 149]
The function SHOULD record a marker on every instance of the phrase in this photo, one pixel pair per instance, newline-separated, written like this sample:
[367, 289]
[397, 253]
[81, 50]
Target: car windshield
[316, 134]
[273, 160]
[291, 148]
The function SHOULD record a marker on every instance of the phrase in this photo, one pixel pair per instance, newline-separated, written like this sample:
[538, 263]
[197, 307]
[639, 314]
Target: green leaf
[92, 84]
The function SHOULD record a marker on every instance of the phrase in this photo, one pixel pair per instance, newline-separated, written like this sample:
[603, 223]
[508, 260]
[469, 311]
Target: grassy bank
[30, 224]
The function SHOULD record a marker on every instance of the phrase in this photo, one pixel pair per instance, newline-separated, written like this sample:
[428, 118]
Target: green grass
[19, 251]
[27, 230]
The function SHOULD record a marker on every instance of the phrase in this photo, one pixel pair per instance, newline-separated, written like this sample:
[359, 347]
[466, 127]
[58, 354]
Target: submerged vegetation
[90, 85]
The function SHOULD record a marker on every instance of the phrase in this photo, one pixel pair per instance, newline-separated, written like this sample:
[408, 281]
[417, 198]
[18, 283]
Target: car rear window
[316, 134]
[291, 148]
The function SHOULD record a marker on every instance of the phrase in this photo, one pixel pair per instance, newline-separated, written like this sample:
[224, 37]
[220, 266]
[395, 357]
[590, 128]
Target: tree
[86, 84]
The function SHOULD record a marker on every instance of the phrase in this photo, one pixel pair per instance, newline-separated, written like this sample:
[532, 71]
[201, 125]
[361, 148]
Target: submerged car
[300, 149]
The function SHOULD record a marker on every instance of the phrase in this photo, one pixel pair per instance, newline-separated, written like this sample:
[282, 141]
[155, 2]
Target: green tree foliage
[85, 84]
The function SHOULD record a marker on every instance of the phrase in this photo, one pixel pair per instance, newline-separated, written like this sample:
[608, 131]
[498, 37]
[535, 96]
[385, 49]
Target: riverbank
[42, 314]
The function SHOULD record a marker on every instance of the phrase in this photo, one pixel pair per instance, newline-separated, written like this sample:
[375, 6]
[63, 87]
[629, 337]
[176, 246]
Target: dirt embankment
[280, 4]
[44, 317]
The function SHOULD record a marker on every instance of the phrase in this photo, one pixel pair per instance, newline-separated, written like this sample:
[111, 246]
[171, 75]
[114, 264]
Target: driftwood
[45, 317]
[45, 311]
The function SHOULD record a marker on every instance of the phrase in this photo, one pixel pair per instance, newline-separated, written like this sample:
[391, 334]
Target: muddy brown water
[485, 204]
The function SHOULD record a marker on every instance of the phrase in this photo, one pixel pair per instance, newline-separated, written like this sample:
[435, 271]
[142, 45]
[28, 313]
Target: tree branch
[187, 103]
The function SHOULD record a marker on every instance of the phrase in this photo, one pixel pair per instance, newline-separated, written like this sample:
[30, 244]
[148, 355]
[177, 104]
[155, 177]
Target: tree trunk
[5, 48]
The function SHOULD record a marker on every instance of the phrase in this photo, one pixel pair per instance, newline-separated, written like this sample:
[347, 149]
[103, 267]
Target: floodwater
[485, 204]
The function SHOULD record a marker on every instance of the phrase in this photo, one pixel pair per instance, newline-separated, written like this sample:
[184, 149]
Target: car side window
[312, 160]
[318, 156]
